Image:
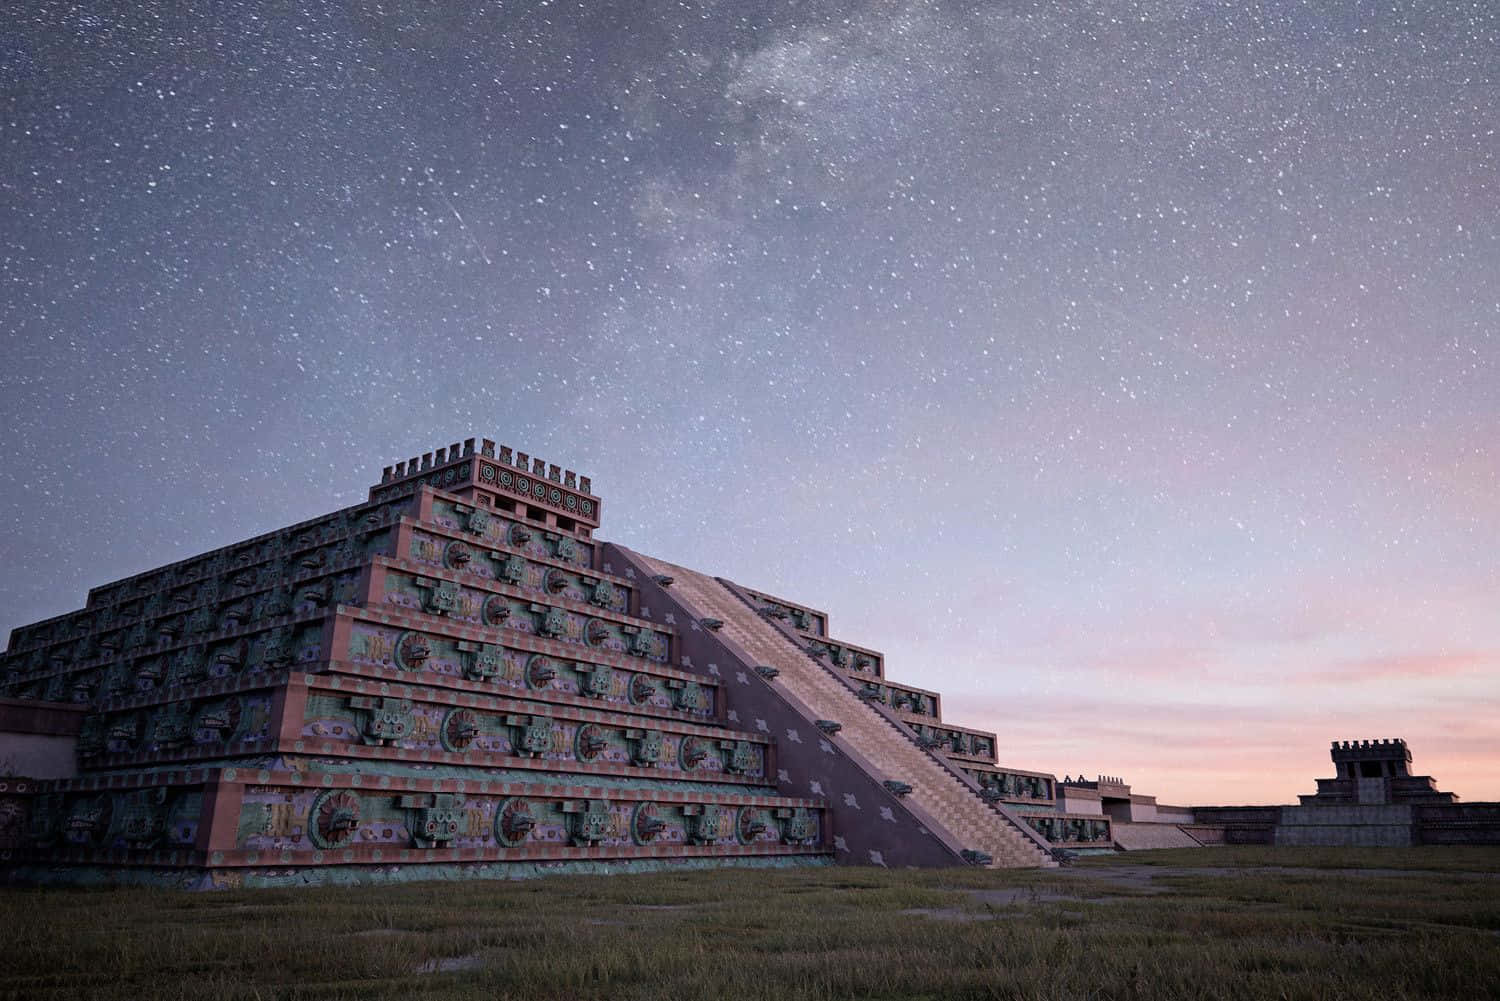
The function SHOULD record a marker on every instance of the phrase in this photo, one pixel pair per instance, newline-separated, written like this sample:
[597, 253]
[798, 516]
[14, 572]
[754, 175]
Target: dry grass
[1210, 924]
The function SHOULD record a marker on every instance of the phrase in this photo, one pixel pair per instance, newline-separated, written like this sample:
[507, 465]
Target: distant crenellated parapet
[1387, 757]
[502, 477]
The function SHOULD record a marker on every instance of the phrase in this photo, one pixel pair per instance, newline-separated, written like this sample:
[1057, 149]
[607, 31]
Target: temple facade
[1372, 800]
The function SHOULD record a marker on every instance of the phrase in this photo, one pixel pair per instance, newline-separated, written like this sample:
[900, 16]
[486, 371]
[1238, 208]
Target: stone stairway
[1141, 837]
[971, 821]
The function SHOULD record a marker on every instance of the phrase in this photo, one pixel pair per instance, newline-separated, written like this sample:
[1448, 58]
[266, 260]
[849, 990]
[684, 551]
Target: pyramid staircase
[951, 804]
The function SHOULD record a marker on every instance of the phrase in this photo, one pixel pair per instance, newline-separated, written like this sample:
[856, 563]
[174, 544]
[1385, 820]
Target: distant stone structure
[1137, 821]
[457, 679]
[1374, 773]
[1373, 799]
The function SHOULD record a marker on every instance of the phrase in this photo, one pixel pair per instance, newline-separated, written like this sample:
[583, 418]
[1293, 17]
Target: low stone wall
[1241, 825]
[1371, 826]
[1458, 823]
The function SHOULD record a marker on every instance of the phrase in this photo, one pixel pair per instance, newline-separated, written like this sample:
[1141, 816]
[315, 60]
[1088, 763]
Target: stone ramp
[967, 818]
[1143, 837]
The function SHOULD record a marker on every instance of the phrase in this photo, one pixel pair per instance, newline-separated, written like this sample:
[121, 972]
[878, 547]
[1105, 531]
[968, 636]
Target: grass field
[1223, 923]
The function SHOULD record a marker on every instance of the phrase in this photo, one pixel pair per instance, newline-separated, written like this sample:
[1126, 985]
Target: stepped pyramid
[457, 679]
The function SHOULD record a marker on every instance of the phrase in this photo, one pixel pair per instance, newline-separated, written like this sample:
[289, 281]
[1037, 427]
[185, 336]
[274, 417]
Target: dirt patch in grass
[453, 964]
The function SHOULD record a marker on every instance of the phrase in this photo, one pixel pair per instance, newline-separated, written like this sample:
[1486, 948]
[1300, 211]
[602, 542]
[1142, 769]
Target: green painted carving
[44, 823]
[276, 648]
[236, 614]
[56, 688]
[139, 639]
[749, 824]
[383, 721]
[482, 661]
[741, 757]
[517, 535]
[460, 727]
[976, 857]
[496, 610]
[93, 737]
[232, 655]
[89, 820]
[688, 696]
[554, 621]
[150, 671]
[277, 601]
[442, 597]
[434, 819]
[690, 752]
[531, 736]
[412, 651]
[643, 643]
[333, 818]
[588, 820]
[125, 731]
[555, 581]
[81, 686]
[873, 693]
[642, 689]
[595, 632]
[173, 726]
[589, 742]
[646, 823]
[645, 747]
[540, 670]
[800, 826]
[188, 667]
[512, 570]
[565, 549]
[202, 621]
[346, 552]
[897, 789]
[119, 681]
[703, 823]
[457, 555]
[142, 817]
[317, 593]
[800, 619]
[478, 521]
[514, 822]
[598, 679]
[222, 719]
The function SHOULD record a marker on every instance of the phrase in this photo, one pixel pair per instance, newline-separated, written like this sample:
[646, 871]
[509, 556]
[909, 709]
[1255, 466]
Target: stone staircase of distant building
[935, 786]
[1141, 837]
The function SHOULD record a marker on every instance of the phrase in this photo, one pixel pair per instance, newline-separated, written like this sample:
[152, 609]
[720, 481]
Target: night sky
[1127, 372]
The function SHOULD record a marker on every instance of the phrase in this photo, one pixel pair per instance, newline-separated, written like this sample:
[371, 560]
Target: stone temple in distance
[458, 679]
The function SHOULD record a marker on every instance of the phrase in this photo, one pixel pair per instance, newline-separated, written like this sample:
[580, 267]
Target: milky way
[1126, 372]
